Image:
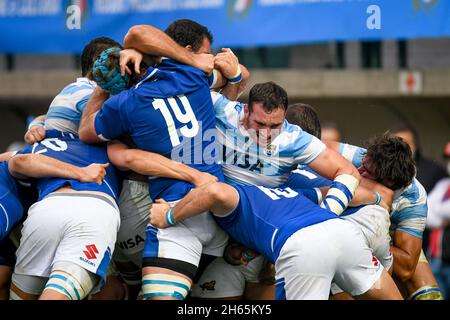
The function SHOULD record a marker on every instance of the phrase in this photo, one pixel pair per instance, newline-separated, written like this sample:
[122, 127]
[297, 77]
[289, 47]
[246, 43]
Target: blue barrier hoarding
[53, 26]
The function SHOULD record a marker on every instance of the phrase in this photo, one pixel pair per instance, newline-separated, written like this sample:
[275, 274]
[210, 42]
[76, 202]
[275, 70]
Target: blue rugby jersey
[11, 209]
[68, 148]
[265, 218]
[169, 112]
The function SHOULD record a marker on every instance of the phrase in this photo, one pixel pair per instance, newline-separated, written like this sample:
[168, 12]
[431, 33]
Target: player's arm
[150, 40]
[5, 156]
[23, 166]
[219, 198]
[366, 196]
[406, 251]
[86, 130]
[152, 164]
[232, 73]
[345, 176]
[36, 130]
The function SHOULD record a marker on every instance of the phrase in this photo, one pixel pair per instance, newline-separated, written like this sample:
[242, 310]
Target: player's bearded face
[264, 127]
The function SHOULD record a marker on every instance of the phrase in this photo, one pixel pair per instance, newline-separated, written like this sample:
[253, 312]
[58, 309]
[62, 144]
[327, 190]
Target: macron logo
[91, 251]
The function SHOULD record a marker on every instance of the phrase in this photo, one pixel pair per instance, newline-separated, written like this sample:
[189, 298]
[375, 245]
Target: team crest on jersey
[208, 285]
[270, 150]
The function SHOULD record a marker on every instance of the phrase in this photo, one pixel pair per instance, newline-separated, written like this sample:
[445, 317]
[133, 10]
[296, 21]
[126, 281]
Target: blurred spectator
[439, 223]
[428, 171]
[330, 131]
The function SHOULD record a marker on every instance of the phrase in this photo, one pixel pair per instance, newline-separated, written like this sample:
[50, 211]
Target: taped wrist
[237, 78]
[340, 194]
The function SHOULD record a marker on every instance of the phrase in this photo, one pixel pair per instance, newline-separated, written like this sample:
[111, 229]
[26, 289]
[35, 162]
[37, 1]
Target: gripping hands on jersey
[161, 214]
[95, 172]
[340, 194]
[35, 133]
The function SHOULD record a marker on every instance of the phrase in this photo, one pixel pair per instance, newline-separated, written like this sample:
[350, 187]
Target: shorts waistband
[85, 195]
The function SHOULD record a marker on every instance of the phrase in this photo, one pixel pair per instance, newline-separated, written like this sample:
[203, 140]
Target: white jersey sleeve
[409, 210]
[352, 153]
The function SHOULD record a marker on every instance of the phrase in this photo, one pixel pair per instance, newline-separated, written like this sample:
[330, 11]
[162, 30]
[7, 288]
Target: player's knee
[165, 286]
[427, 293]
[71, 280]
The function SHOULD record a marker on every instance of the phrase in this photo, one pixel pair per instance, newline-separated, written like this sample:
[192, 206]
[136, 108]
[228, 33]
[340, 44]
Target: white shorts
[223, 280]
[73, 227]
[313, 256]
[187, 240]
[374, 222]
[134, 205]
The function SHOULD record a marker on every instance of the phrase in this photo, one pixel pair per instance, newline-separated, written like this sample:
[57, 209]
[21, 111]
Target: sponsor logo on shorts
[375, 261]
[90, 251]
[131, 243]
[208, 285]
[87, 261]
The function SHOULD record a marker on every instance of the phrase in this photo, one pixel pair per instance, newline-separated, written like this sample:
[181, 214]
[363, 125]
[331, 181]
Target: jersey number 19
[185, 118]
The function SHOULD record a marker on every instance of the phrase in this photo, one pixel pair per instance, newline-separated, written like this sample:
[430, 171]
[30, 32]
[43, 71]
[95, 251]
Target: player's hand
[95, 172]
[158, 213]
[204, 178]
[227, 63]
[204, 62]
[35, 134]
[130, 56]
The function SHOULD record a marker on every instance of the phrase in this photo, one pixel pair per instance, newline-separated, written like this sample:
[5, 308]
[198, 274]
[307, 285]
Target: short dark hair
[187, 32]
[391, 161]
[304, 116]
[271, 95]
[92, 51]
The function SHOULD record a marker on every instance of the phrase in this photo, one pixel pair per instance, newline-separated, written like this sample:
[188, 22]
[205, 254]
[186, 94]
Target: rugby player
[168, 256]
[393, 162]
[309, 246]
[66, 257]
[134, 201]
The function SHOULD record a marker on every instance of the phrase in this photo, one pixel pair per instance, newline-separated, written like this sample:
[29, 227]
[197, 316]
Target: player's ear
[189, 47]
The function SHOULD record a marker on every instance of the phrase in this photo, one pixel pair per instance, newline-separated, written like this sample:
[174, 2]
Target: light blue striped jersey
[64, 113]
[409, 208]
[245, 162]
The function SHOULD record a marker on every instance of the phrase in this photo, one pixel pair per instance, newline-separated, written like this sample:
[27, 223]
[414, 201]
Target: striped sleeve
[353, 154]
[410, 210]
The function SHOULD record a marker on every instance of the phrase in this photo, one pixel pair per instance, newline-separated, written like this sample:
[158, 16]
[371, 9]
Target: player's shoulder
[414, 191]
[293, 137]
[80, 86]
[221, 102]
